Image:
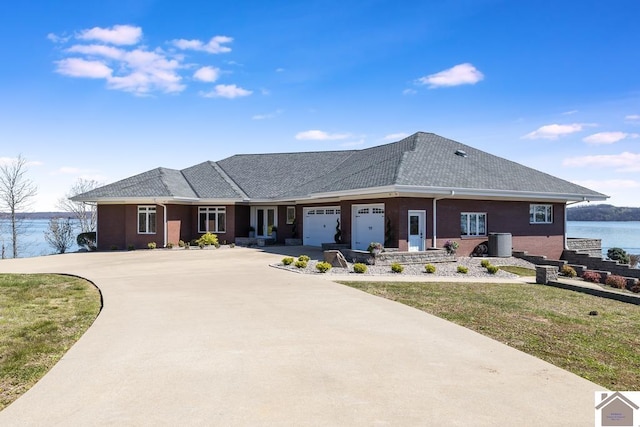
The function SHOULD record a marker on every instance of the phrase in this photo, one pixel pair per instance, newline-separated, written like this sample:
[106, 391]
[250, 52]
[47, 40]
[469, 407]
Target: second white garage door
[319, 225]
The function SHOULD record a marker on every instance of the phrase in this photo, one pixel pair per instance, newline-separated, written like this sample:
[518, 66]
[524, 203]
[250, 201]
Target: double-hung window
[146, 220]
[212, 219]
[540, 214]
[473, 224]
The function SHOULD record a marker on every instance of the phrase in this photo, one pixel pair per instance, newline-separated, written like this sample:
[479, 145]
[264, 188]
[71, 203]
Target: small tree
[16, 193]
[60, 234]
[87, 215]
[618, 254]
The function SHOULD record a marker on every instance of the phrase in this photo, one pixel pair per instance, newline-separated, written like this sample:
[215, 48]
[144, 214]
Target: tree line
[18, 191]
[603, 213]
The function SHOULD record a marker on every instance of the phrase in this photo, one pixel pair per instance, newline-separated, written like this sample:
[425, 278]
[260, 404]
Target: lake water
[31, 242]
[622, 234]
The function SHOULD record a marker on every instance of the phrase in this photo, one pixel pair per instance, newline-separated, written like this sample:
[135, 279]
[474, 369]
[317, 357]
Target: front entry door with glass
[417, 231]
[265, 220]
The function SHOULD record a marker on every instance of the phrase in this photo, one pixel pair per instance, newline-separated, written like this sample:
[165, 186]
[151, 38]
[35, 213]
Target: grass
[41, 317]
[549, 323]
[520, 271]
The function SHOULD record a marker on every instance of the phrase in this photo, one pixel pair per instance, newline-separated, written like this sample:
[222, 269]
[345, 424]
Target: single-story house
[412, 194]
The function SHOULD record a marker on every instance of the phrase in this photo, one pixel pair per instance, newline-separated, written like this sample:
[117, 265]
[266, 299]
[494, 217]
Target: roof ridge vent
[461, 153]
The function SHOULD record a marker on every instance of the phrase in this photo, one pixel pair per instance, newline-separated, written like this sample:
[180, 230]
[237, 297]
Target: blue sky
[105, 90]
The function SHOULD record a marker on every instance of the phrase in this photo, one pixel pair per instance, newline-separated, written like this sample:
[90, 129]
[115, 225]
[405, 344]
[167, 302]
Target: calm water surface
[31, 242]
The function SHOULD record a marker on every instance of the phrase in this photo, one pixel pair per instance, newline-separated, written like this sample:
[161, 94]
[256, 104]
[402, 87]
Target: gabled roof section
[209, 181]
[159, 182]
[434, 163]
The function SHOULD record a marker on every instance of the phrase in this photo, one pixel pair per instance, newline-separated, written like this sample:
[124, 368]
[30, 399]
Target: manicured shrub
[170, 245]
[618, 254]
[87, 240]
[568, 271]
[492, 269]
[396, 267]
[232, 245]
[462, 269]
[323, 267]
[485, 263]
[182, 244]
[152, 245]
[287, 260]
[208, 239]
[616, 282]
[301, 264]
[131, 247]
[591, 276]
[359, 268]
[304, 258]
[430, 268]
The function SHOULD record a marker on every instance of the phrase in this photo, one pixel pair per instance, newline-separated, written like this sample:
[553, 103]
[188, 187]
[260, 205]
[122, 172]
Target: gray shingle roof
[422, 160]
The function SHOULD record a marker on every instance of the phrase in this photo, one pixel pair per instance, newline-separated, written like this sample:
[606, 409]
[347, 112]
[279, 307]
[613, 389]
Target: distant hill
[602, 213]
[40, 215]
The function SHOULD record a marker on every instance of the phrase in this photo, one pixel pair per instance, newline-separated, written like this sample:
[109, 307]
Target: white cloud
[226, 91]
[607, 186]
[98, 50]
[207, 74]
[78, 67]
[395, 136]
[409, 92]
[461, 74]
[318, 135]
[272, 115]
[215, 45]
[554, 131]
[623, 162]
[569, 113]
[632, 117]
[118, 34]
[608, 137]
[57, 39]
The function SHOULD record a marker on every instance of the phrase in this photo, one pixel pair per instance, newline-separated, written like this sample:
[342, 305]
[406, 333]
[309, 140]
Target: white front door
[367, 225]
[417, 231]
[265, 220]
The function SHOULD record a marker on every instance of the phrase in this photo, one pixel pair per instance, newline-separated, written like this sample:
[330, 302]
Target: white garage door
[368, 225]
[319, 225]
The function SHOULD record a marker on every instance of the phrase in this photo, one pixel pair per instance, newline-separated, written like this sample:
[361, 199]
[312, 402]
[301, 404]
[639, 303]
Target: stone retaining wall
[592, 247]
[388, 258]
[599, 264]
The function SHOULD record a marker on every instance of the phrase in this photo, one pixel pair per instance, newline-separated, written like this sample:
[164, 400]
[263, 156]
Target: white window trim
[147, 210]
[215, 210]
[548, 213]
[469, 224]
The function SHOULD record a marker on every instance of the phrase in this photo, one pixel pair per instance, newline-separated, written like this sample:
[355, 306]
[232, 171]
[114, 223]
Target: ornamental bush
[396, 267]
[87, 240]
[301, 264]
[304, 258]
[430, 268]
[485, 263]
[152, 245]
[492, 269]
[618, 254]
[287, 260]
[616, 282]
[359, 268]
[568, 271]
[462, 269]
[592, 276]
[323, 267]
[208, 239]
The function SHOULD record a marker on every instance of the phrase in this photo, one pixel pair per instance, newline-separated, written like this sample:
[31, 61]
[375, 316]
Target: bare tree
[60, 234]
[16, 194]
[87, 215]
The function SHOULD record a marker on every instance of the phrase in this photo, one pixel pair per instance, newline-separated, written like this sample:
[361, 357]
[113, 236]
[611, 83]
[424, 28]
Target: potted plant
[375, 248]
[451, 246]
[252, 231]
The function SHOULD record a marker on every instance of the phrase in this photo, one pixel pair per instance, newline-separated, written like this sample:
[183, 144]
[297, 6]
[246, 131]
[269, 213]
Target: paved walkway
[219, 338]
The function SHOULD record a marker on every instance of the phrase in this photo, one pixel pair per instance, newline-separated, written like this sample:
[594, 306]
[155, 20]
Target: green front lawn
[549, 323]
[41, 317]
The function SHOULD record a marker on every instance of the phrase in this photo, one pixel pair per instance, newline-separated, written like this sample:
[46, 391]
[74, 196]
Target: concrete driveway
[216, 337]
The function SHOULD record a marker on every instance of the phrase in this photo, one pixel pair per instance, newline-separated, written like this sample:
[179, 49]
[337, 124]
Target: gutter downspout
[164, 221]
[435, 217]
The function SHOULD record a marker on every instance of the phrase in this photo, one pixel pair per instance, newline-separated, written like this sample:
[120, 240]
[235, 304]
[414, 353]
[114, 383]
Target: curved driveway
[219, 338]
